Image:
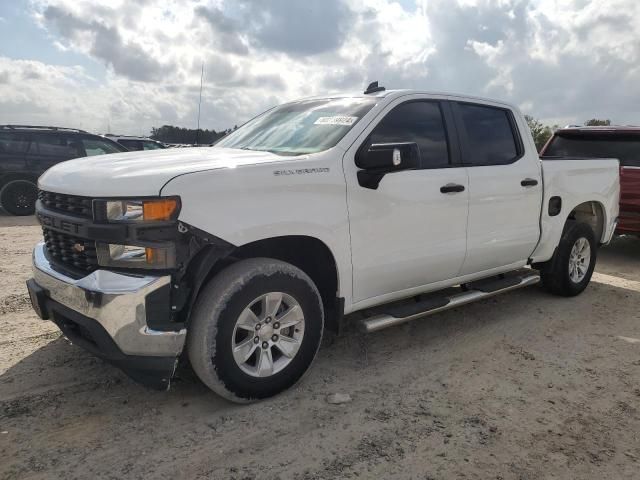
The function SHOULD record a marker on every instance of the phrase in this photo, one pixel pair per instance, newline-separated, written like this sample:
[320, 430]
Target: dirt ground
[521, 386]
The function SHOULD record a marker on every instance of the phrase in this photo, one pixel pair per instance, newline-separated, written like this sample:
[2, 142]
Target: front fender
[305, 196]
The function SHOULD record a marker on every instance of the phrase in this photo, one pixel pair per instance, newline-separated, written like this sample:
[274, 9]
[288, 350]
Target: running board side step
[469, 293]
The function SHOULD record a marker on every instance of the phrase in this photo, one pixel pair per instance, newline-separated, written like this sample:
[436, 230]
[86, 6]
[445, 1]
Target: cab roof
[395, 93]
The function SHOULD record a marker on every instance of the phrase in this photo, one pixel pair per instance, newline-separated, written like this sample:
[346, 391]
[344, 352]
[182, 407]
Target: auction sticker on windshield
[336, 120]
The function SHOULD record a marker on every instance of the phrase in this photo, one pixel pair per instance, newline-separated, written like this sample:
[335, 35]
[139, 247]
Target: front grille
[69, 204]
[73, 252]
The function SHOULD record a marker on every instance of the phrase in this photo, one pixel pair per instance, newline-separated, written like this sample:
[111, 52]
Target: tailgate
[629, 200]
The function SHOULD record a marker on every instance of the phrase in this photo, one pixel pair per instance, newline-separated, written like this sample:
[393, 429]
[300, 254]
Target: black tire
[18, 197]
[555, 273]
[220, 304]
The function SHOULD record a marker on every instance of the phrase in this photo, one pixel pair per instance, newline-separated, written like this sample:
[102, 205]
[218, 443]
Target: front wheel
[19, 197]
[255, 329]
[569, 271]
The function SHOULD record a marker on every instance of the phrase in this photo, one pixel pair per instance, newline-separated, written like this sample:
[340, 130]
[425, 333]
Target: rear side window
[624, 148]
[152, 146]
[419, 122]
[60, 146]
[131, 144]
[13, 143]
[490, 135]
[95, 146]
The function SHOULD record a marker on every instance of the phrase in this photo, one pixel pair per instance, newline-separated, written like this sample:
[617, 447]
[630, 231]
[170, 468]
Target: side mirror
[379, 159]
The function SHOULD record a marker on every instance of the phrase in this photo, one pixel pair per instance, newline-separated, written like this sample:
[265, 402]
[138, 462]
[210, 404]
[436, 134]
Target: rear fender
[578, 183]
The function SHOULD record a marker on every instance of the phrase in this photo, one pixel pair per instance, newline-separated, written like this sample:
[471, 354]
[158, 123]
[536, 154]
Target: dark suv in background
[621, 142]
[27, 151]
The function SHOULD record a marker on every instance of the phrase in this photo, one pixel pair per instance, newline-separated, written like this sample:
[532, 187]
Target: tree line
[542, 133]
[172, 134]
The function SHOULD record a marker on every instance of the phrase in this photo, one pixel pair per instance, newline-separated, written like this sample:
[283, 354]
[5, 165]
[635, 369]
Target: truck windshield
[298, 128]
[625, 148]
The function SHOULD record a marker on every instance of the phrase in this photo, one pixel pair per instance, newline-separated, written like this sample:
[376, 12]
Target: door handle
[452, 188]
[529, 182]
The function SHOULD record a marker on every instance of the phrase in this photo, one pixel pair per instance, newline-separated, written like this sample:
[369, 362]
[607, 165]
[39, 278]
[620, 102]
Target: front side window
[307, 126]
[56, 145]
[625, 148]
[490, 135]
[94, 146]
[418, 122]
[13, 143]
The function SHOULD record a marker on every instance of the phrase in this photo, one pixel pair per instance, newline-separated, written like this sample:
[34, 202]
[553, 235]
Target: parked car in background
[136, 143]
[26, 152]
[621, 142]
[392, 205]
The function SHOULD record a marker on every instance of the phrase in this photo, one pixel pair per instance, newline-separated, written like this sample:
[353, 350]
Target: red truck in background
[622, 143]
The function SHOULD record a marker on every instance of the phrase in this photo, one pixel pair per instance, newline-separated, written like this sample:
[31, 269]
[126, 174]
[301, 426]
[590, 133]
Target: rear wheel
[19, 197]
[255, 329]
[569, 271]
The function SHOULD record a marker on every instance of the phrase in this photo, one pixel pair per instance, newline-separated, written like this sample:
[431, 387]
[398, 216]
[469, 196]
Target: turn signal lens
[150, 254]
[161, 210]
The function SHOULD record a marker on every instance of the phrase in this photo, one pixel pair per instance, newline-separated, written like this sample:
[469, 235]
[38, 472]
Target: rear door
[48, 149]
[505, 187]
[13, 148]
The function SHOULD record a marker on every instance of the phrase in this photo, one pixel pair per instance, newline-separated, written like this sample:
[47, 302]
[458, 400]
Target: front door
[411, 230]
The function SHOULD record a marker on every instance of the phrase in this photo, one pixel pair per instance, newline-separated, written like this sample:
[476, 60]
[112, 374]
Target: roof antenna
[199, 103]
[373, 88]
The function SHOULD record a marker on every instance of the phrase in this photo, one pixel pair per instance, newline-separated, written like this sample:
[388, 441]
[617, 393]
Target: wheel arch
[588, 210]
[592, 213]
[12, 177]
[309, 254]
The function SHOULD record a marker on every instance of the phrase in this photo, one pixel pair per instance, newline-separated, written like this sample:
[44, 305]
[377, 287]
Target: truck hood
[142, 173]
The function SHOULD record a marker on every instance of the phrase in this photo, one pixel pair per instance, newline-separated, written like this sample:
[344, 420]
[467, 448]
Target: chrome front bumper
[114, 300]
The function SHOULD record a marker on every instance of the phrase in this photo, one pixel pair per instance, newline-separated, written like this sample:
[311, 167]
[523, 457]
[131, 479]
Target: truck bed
[577, 182]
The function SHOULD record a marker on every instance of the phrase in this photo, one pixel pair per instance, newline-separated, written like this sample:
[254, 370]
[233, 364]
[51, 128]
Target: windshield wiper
[275, 152]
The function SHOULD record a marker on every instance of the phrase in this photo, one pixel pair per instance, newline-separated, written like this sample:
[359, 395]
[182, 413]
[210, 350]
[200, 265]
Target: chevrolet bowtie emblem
[78, 247]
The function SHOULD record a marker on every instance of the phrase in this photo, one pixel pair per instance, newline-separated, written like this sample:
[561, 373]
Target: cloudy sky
[129, 65]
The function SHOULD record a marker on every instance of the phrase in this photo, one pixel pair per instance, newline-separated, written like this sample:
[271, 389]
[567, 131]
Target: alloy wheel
[268, 334]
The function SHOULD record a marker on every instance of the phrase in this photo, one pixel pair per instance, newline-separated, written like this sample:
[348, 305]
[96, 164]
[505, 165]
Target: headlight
[130, 256]
[152, 210]
[147, 219]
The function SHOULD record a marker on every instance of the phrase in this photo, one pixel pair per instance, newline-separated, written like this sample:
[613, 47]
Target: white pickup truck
[392, 204]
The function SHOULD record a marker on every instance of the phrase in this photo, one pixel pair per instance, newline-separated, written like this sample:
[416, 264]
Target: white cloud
[563, 60]
[566, 61]
[34, 92]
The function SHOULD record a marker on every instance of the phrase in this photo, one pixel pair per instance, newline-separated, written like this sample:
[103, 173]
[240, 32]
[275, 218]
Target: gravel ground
[521, 386]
